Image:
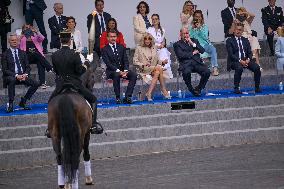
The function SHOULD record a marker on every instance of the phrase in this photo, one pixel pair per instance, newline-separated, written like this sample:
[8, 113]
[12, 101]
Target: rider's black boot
[96, 128]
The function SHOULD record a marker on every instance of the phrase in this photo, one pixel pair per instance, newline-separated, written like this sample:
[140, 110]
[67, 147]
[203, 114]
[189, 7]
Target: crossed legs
[157, 74]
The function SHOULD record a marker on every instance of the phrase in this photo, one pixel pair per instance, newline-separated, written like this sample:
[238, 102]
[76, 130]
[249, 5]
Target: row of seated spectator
[156, 63]
[16, 69]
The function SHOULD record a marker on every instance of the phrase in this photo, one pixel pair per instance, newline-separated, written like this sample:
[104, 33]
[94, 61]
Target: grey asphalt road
[259, 166]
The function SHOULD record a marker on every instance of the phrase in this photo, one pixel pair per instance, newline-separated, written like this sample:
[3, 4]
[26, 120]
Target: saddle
[68, 87]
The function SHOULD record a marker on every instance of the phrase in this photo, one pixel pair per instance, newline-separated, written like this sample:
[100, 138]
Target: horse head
[88, 78]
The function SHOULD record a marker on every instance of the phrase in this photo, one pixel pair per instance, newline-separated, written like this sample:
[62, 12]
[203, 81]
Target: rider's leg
[92, 99]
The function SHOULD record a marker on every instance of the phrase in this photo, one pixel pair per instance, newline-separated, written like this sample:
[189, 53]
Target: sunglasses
[148, 38]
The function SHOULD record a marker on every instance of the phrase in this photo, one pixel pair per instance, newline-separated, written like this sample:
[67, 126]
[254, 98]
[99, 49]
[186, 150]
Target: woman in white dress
[76, 37]
[186, 16]
[158, 34]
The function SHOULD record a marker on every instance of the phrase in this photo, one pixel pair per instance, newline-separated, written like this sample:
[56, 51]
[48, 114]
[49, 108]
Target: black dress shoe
[10, 108]
[118, 101]
[97, 128]
[258, 90]
[237, 91]
[197, 91]
[23, 105]
[127, 100]
[47, 134]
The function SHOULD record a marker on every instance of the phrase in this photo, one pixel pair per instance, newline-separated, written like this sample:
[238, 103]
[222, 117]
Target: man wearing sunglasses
[188, 52]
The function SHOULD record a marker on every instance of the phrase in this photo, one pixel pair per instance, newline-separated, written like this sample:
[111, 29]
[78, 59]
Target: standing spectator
[16, 70]
[116, 60]
[228, 16]
[272, 18]
[240, 57]
[158, 34]
[33, 10]
[199, 30]
[151, 67]
[188, 52]
[30, 42]
[141, 22]
[5, 23]
[186, 16]
[76, 37]
[96, 24]
[279, 48]
[111, 25]
[57, 23]
[246, 18]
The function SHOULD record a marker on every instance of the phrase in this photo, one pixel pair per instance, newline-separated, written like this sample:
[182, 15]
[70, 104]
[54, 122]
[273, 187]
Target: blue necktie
[241, 49]
[19, 67]
[102, 23]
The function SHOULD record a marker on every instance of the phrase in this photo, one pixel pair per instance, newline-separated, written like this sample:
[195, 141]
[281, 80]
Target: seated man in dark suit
[188, 52]
[16, 70]
[57, 23]
[116, 60]
[99, 25]
[272, 18]
[228, 16]
[240, 57]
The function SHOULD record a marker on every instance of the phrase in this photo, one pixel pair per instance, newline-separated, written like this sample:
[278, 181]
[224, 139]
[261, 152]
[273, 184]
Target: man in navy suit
[240, 57]
[188, 52]
[101, 20]
[116, 60]
[57, 24]
[272, 18]
[16, 70]
[228, 16]
[33, 10]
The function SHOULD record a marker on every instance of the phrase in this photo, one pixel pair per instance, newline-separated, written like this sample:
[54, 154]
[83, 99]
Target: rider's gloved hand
[90, 57]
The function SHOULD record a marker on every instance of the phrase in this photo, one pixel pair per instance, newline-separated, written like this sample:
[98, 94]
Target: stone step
[44, 156]
[224, 81]
[154, 132]
[103, 113]
[151, 126]
[17, 122]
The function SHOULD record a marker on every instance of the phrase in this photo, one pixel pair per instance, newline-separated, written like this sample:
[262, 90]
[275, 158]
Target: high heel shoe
[148, 96]
[166, 96]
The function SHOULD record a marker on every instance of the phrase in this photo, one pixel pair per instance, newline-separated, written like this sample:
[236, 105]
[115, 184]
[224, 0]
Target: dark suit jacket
[55, 29]
[68, 67]
[233, 50]
[106, 16]
[272, 20]
[112, 62]
[39, 3]
[8, 63]
[227, 20]
[184, 53]
[4, 28]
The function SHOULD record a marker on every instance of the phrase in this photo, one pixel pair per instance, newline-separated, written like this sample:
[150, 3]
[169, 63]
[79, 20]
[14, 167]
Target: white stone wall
[124, 10]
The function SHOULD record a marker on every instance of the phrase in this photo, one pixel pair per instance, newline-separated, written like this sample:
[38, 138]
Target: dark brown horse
[69, 122]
